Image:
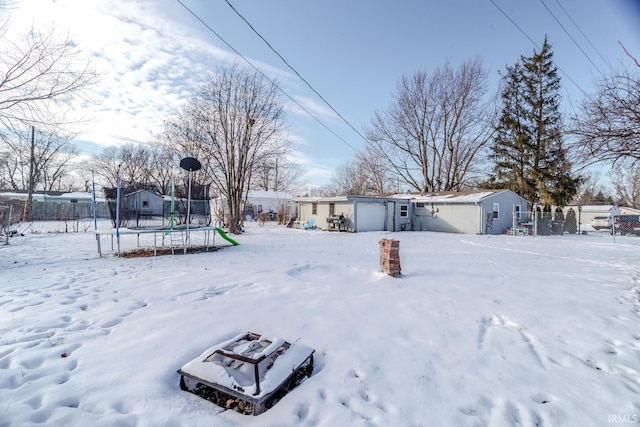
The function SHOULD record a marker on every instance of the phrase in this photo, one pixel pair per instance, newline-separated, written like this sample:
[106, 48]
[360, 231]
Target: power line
[294, 70]
[515, 24]
[264, 75]
[534, 43]
[570, 36]
[581, 32]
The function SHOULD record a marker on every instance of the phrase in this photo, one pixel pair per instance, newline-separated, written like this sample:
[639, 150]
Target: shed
[144, 203]
[361, 213]
[468, 212]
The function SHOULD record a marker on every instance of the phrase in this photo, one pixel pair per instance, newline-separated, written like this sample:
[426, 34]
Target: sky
[155, 54]
[477, 331]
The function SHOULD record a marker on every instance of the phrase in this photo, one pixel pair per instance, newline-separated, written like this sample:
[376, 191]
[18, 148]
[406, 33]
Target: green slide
[225, 237]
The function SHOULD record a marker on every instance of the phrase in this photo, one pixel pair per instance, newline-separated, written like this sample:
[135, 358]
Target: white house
[469, 212]
[359, 213]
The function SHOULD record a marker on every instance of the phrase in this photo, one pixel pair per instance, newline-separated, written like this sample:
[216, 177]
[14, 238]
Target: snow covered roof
[594, 208]
[472, 196]
[262, 194]
[50, 195]
[322, 199]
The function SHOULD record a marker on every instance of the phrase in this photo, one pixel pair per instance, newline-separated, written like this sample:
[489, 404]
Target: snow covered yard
[478, 330]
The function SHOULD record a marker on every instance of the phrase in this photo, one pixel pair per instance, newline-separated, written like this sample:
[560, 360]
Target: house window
[314, 209]
[145, 203]
[404, 211]
[516, 211]
[332, 209]
[496, 210]
[420, 205]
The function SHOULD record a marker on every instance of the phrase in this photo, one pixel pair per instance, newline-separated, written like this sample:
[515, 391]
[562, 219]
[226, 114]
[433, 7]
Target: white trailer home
[359, 213]
[468, 212]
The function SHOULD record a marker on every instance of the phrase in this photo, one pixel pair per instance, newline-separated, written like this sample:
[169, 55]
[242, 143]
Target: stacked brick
[390, 257]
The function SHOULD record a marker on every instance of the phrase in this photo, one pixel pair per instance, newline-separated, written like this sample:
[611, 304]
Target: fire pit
[248, 373]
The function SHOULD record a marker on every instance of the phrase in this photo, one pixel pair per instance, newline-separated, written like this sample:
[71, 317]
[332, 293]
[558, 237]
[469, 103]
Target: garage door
[370, 217]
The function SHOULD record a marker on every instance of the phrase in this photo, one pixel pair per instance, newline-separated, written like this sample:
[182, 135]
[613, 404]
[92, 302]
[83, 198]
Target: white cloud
[319, 109]
[149, 65]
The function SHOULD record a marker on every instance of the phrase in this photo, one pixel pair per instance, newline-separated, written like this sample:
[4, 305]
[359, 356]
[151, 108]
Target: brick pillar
[390, 256]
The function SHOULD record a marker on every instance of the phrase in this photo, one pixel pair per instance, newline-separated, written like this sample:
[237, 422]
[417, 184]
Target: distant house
[359, 213]
[55, 205]
[469, 212]
[50, 196]
[256, 203]
[587, 212]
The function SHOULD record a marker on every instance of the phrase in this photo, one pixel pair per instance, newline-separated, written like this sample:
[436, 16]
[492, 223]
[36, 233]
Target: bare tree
[104, 165]
[607, 125]
[46, 159]
[135, 161]
[279, 174]
[233, 125]
[351, 178]
[163, 165]
[4, 159]
[591, 192]
[379, 179]
[56, 157]
[435, 127]
[132, 163]
[626, 184]
[40, 74]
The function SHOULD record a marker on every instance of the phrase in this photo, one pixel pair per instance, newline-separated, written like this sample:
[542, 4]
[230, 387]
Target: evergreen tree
[512, 144]
[528, 153]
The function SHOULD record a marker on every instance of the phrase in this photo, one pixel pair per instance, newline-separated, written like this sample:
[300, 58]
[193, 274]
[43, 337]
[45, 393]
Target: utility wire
[264, 75]
[534, 43]
[571, 37]
[294, 70]
[581, 32]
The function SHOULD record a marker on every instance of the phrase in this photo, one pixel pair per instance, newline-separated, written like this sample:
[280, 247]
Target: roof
[593, 208]
[468, 196]
[322, 199]
[262, 194]
[153, 193]
[349, 198]
[40, 195]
